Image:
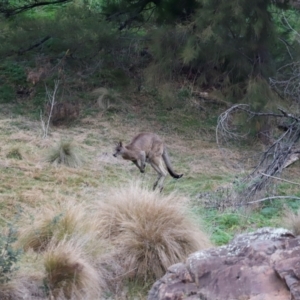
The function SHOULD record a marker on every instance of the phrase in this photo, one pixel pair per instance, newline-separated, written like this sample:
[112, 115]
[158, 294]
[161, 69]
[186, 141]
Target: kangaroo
[145, 148]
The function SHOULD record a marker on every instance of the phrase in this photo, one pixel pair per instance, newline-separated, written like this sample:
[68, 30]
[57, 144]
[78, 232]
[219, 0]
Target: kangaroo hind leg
[158, 166]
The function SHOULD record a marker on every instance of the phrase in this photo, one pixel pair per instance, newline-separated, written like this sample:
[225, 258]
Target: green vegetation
[8, 254]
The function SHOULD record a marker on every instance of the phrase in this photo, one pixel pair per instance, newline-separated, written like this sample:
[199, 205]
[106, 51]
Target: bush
[7, 94]
[151, 231]
[8, 255]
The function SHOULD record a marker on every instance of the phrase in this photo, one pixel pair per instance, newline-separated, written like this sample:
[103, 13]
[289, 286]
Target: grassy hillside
[40, 200]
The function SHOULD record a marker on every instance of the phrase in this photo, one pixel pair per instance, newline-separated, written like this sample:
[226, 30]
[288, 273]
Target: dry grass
[151, 231]
[54, 222]
[26, 286]
[65, 153]
[69, 275]
[291, 220]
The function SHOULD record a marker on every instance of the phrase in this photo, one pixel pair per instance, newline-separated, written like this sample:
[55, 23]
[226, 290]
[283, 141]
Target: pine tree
[226, 44]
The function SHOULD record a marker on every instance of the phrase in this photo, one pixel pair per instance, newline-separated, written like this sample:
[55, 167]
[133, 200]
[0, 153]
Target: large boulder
[263, 265]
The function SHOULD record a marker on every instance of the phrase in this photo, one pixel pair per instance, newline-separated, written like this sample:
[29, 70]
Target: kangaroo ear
[120, 144]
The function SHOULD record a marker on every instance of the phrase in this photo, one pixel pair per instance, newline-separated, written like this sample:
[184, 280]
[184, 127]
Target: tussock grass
[65, 153]
[291, 220]
[53, 222]
[69, 275]
[14, 154]
[151, 231]
[23, 287]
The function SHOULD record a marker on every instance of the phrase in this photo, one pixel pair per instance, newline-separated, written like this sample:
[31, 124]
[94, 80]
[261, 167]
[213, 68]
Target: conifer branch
[9, 11]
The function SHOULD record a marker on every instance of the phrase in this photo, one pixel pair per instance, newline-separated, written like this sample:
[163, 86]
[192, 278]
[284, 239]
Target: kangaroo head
[118, 150]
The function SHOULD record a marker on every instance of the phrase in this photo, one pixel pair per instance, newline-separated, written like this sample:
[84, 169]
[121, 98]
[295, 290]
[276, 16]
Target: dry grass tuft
[23, 287]
[151, 231]
[53, 222]
[291, 220]
[14, 154]
[65, 153]
[69, 275]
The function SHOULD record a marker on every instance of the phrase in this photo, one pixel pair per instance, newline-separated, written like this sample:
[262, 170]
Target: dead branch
[278, 178]
[224, 125]
[9, 10]
[274, 159]
[274, 197]
[37, 44]
[51, 102]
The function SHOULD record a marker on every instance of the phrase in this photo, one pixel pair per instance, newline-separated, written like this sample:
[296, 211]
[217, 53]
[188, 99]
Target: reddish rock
[263, 265]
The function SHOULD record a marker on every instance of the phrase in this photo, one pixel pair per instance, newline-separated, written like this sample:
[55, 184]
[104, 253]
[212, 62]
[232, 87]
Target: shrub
[8, 255]
[7, 94]
[68, 273]
[65, 153]
[151, 231]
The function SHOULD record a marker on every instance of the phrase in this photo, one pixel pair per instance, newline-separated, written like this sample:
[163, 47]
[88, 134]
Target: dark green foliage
[130, 13]
[176, 11]
[12, 71]
[7, 94]
[73, 44]
[8, 255]
[230, 46]
[12, 74]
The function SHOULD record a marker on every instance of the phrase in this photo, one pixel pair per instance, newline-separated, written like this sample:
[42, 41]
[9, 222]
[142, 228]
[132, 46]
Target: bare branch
[274, 159]
[50, 104]
[9, 11]
[274, 197]
[224, 126]
[37, 44]
[278, 178]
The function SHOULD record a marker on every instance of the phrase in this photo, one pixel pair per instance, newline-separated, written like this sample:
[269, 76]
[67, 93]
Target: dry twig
[274, 159]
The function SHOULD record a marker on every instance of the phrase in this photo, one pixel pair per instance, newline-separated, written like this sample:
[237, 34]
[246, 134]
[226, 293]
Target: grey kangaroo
[148, 147]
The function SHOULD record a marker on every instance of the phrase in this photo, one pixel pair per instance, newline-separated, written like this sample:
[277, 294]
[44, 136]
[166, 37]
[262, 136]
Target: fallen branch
[274, 197]
[280, 179]
[278, 155]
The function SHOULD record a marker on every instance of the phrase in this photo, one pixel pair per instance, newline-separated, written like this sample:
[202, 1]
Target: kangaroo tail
[167, 161]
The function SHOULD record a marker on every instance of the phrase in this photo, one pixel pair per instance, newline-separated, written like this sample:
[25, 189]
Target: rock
[263, 265]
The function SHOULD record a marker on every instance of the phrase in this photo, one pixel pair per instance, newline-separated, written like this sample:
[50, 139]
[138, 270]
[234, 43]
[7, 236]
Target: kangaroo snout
[115, 155]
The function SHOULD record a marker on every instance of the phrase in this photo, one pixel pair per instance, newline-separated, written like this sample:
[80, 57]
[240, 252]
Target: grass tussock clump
[69, 275]
[65, 153]
[14, 154]
[291, 220]
[53, 222]
[151, 231]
